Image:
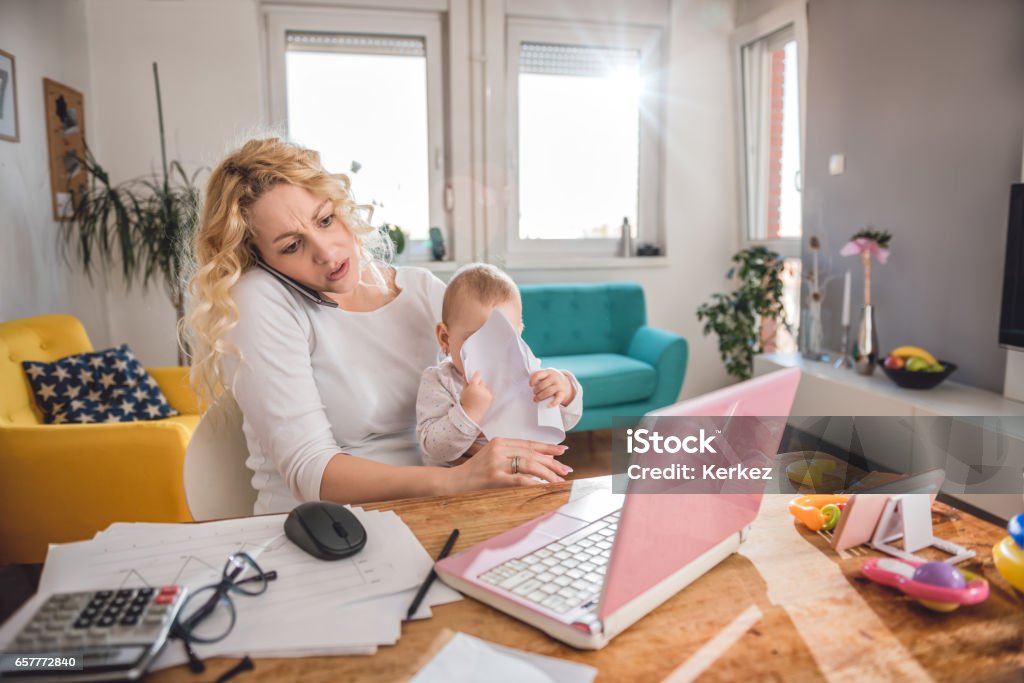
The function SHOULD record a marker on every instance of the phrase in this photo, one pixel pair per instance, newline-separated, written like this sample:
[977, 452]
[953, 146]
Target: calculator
[104, 635]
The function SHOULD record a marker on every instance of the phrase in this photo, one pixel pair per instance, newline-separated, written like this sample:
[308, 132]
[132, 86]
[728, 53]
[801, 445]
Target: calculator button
[73, 637]
[96, 603]
[104, 594]
[125, 593]
[146, 592]
[107, 620]
[129, 620]
[25, 639]
[82, 622]
[163, 599]
[169, 590]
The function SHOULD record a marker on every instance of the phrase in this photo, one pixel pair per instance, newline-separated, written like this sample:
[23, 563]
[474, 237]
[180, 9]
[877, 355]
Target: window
[369, 99]
[583, 119]
[769, 75]
[771, 135]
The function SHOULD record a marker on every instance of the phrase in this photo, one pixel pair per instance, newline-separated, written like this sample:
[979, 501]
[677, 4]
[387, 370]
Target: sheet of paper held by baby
[505, 363]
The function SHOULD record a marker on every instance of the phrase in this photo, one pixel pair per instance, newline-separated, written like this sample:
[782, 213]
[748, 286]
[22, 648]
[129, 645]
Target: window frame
[427, 26]
[649, 41]
[792, 14]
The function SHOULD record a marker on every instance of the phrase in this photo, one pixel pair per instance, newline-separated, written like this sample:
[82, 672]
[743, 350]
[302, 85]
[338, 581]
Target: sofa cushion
[99, 386]
[607, 379]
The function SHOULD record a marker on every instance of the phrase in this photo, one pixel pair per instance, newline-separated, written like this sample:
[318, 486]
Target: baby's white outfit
[444, 429]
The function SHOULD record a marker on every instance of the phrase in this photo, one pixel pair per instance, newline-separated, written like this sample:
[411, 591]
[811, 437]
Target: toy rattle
[811, 510]
[938, 586]
[1008, 554]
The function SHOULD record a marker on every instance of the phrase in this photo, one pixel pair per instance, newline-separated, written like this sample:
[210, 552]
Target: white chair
[218, 485]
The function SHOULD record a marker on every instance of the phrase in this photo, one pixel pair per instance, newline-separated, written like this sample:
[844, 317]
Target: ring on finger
[515, 464]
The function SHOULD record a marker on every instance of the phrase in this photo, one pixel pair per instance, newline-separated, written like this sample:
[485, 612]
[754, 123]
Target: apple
[893, 362]
[937, 367]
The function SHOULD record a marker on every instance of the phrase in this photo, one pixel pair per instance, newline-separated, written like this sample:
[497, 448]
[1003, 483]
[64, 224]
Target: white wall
[47, 40]
[212, 88]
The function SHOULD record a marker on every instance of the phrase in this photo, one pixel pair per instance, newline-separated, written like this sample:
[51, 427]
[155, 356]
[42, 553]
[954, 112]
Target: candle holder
[845, 360]
[865, 351]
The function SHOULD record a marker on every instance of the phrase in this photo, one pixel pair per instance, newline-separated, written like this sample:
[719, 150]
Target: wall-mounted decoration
[65, 132]
[8, 99]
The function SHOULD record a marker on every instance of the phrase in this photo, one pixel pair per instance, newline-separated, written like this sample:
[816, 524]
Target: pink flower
[862, 244]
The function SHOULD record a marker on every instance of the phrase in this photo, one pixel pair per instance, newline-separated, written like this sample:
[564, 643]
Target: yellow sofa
[61, 483]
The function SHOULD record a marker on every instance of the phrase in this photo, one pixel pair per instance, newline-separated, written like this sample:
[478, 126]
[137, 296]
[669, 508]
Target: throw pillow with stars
[99, 386]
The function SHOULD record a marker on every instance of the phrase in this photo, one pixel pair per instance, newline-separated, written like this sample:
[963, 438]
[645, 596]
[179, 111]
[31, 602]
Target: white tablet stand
[909, 516]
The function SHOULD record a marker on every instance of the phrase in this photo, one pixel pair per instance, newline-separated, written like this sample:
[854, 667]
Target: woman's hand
[509, 462]
[552, 384]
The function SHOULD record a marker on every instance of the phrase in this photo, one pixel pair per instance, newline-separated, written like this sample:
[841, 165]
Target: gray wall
[926, 100]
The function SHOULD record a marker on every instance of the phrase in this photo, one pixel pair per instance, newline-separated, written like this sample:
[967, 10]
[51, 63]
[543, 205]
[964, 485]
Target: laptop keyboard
[563, 574]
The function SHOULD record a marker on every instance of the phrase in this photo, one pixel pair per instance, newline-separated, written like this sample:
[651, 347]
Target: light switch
[837, 164]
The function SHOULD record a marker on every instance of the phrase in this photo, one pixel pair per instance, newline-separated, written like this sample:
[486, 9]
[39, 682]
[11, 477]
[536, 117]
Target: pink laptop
[587, 571]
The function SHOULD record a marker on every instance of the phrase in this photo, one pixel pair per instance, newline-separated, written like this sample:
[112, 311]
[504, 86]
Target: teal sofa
[599, 333]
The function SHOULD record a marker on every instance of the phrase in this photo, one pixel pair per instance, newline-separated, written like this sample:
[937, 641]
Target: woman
[326, 378]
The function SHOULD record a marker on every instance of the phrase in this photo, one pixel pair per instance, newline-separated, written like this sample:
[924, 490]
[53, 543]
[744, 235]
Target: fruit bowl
[920, 379]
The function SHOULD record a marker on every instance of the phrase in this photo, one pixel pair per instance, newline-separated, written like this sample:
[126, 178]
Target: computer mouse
[325, 530]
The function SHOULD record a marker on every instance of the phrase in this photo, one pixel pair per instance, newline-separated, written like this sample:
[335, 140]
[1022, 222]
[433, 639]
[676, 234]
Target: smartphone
[295, 285]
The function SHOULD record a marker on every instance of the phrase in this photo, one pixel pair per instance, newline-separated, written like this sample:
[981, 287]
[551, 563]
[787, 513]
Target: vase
[814, 336]
[865, 349]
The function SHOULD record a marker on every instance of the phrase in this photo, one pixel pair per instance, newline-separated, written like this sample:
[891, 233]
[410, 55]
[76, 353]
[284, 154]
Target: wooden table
[856, 631]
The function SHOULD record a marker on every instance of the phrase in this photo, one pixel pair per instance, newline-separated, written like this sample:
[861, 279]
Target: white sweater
[316, 381]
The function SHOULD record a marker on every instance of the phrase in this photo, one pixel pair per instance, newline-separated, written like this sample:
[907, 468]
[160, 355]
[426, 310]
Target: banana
[914, 352]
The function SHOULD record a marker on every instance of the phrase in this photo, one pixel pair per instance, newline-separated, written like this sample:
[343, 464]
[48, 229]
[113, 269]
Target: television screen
[1011, 322]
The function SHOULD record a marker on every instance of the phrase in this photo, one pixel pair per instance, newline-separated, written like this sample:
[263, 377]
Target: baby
[448, 407]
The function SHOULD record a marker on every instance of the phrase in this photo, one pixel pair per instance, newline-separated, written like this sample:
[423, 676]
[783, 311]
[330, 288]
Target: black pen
[433, 575]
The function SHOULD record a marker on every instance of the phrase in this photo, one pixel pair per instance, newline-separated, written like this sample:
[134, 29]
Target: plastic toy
[1008, 554]
[830, 513]
[808, 509]
[1016, 529]
[809, 472]
[938, 586]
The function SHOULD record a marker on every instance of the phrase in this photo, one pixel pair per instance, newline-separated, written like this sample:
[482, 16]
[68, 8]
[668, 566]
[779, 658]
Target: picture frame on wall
[65, 135]
[8, 99]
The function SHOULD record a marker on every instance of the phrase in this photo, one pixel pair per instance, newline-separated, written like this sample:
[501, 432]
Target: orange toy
[807, 509]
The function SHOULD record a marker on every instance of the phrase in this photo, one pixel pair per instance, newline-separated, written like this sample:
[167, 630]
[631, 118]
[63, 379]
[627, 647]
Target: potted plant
[397, 236]
[145, 224]
[737, 317]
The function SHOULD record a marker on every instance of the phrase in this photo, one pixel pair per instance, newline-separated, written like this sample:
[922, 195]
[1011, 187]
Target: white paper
[313, 608]
[468, 659]
[505, 363]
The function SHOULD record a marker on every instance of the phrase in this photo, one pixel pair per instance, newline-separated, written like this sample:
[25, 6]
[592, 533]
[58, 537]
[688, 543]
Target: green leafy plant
[144, 225]
[736, 317]
[397, 235]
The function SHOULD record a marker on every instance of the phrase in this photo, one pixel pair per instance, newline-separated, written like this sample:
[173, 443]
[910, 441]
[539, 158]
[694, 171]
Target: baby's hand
[476, 398]
[552, 383]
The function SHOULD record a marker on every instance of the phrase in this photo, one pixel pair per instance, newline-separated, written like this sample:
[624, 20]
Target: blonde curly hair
[223, 244]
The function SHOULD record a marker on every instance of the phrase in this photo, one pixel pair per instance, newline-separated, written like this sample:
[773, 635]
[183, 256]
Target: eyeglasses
[208, 614]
